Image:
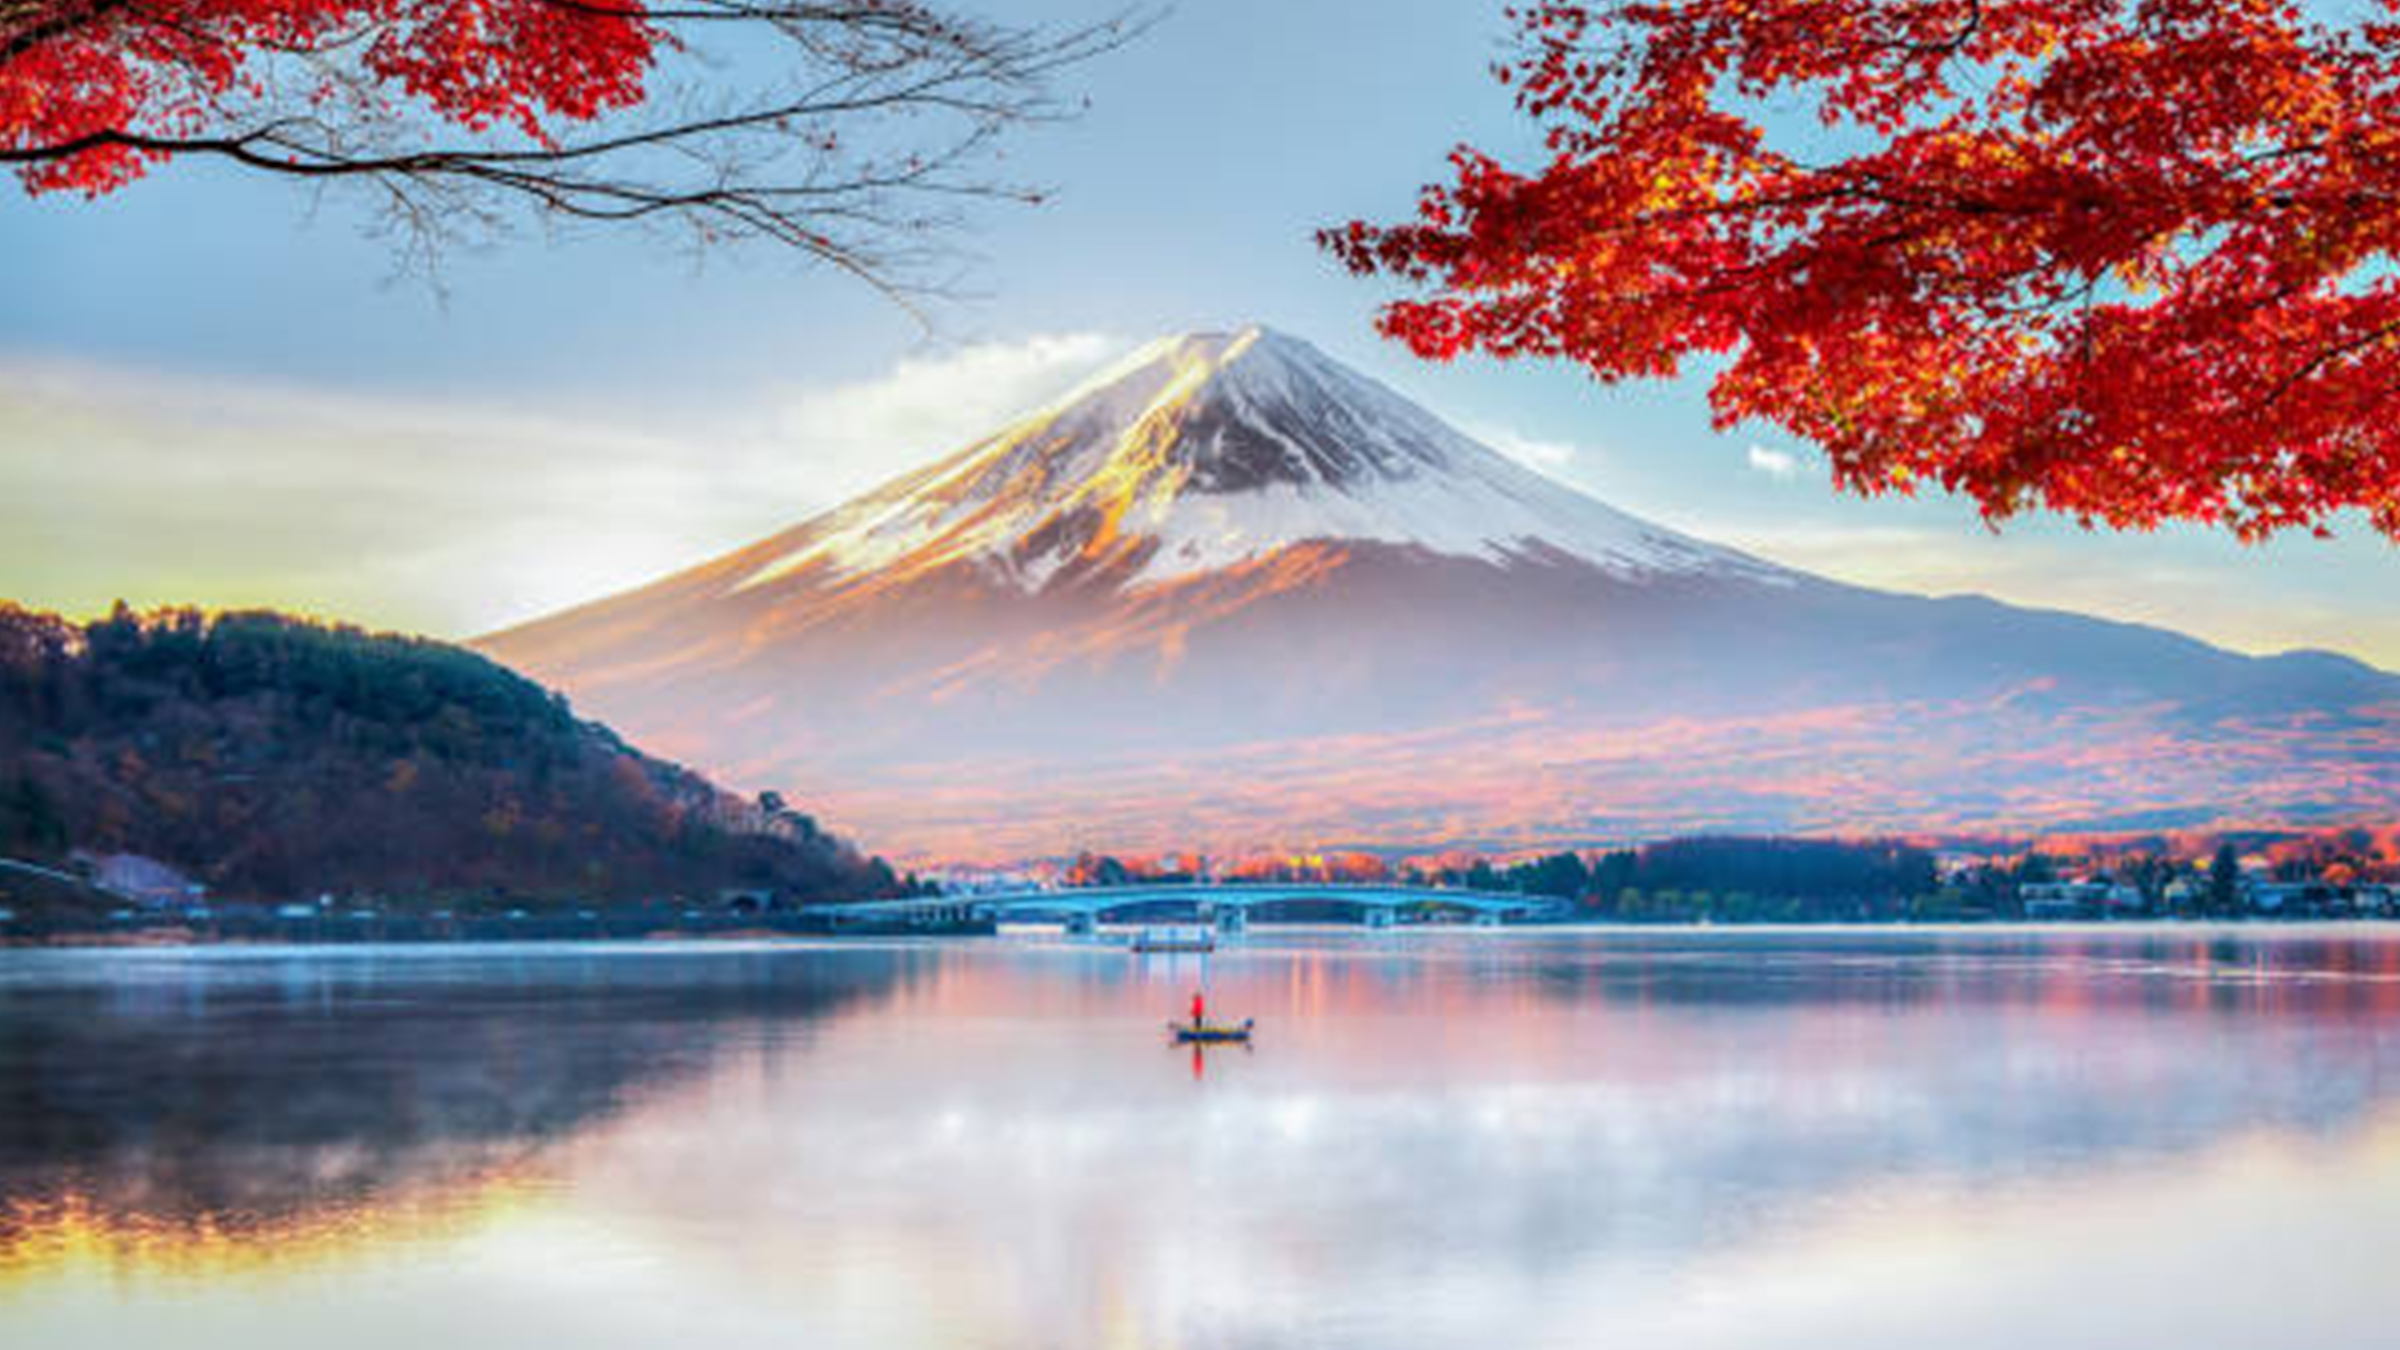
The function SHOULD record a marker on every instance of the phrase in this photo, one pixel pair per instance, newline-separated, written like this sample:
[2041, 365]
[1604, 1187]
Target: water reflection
[234, 1094]
[1728, 1138]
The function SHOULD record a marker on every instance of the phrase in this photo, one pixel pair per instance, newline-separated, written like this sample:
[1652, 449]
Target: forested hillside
[273, 757]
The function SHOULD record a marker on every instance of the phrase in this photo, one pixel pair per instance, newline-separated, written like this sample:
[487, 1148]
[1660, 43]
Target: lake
[1660, 1138]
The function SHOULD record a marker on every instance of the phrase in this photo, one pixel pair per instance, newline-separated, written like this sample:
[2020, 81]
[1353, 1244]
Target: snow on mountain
[1209, 450]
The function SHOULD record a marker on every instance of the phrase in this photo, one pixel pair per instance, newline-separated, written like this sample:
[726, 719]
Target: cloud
[446, 516]
[1778, 464]
[1532, 452]
[840, 439]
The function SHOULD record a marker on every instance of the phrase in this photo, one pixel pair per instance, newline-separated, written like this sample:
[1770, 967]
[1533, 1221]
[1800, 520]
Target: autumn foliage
[120, 84]
[274, 758]
[2130, 262]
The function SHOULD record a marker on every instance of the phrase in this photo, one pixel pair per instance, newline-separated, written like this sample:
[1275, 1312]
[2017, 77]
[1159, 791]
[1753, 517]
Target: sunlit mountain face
[1231, 595]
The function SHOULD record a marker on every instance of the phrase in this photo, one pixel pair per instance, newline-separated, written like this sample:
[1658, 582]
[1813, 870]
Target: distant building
[2073, 899]
[145, 881]
[982, 882]
[2287, 897]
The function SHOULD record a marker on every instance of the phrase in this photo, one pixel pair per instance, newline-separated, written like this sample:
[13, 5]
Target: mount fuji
[1231, 595]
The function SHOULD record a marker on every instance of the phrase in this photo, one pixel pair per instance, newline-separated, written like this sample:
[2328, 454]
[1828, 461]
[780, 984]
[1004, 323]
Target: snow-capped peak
[1209, 450]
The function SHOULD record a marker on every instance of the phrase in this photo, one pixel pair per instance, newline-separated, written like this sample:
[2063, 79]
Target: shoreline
[187, 939]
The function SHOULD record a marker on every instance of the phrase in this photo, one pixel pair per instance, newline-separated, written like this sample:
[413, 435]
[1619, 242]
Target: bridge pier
[1231, 918]
[1487, 918]
[1082, 923]
[1382, 916]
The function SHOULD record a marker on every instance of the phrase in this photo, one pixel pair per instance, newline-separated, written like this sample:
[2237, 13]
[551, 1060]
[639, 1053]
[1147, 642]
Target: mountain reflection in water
[1668, 1137]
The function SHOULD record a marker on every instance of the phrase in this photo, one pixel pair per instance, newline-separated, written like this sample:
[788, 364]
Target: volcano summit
[1232, 595]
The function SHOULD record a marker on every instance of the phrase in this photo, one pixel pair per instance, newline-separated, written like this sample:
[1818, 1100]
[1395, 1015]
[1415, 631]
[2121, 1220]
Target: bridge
[22, 868]
[1229, 907]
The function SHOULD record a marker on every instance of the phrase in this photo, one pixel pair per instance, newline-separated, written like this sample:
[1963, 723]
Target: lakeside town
[2345, 874]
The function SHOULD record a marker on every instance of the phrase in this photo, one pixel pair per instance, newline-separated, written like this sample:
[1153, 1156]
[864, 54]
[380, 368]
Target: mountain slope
[276, 758]
[1210, 451]
[1229, 594]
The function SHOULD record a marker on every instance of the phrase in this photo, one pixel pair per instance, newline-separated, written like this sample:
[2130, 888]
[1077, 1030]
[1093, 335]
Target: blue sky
[212, 387]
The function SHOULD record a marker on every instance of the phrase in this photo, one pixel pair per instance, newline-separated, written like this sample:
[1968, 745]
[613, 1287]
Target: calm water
[1481, 1140]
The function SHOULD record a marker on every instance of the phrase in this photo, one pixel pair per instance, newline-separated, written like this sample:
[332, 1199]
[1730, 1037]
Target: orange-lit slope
[1231, 594]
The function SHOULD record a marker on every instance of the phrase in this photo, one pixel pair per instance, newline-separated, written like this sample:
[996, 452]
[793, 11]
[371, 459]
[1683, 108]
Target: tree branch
[880, 102]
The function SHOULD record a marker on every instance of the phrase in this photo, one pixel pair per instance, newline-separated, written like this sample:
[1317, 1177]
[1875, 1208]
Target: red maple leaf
[2129, 260]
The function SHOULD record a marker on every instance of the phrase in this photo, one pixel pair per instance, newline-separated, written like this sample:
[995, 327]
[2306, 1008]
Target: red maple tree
[2128, 260]
[846, 129]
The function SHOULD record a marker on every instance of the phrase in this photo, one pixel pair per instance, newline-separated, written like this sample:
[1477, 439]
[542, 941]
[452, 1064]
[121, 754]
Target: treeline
[273, 757]
[1728, 878]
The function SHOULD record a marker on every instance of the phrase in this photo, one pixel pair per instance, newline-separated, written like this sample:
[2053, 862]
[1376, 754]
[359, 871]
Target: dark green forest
[273, 757]
[1730, 878]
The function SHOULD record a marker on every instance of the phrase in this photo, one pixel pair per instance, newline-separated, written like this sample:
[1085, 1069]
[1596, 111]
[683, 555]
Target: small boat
[1174, 940]
[1210, 1033]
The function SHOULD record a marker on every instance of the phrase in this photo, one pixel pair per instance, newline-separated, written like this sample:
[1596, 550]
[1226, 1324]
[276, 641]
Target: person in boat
[1199, 1010]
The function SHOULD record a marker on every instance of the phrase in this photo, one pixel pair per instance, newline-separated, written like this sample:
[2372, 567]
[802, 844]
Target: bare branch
[875, 121]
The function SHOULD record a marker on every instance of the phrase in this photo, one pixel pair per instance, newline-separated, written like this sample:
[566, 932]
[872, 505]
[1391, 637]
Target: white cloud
[1534, 453]
[839, 439]
[1779, 464]
[444, 516]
